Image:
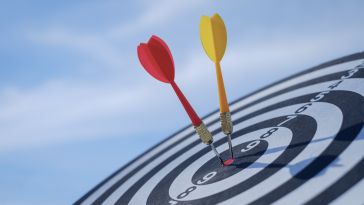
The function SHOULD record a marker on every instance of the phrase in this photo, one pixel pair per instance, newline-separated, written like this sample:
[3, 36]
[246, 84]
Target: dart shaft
[196, 121]
[225, 116]
[224, 106]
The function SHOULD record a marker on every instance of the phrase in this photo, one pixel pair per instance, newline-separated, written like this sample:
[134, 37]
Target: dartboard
[300, 140]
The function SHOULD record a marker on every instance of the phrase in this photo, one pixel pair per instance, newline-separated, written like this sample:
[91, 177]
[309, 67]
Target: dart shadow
[302, 169]
[298, 169]
[292, 146]
[278, 149]
[281, 148]
[315, 166]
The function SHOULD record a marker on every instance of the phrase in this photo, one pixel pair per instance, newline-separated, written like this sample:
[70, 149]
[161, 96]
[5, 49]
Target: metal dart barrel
[206, 137]
[227, 128]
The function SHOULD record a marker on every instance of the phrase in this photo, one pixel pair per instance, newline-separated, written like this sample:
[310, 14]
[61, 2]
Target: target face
[300, 140]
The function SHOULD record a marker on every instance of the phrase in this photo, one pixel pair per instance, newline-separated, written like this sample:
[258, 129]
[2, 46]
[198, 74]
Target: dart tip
[230, 146]
[228, 162]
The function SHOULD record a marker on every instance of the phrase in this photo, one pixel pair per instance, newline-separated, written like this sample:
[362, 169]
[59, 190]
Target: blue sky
[75, 104]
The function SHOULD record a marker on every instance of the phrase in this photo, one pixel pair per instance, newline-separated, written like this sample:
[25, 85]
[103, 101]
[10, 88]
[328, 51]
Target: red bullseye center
[228, 162]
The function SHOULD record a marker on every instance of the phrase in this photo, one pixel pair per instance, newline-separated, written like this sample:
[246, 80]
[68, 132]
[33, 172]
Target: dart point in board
[213, 37]
[157, 60]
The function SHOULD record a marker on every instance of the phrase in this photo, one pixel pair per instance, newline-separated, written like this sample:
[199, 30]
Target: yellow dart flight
[213, 38]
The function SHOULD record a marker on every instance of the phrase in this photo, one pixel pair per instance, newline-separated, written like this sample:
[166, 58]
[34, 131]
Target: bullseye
[228, 162]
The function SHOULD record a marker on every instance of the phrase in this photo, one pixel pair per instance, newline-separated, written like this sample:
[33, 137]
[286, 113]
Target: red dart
[157, 60]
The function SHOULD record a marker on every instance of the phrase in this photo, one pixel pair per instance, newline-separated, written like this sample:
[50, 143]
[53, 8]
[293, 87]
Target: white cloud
[104, 45]
[156, 14]
[59, 111]
[94, 46]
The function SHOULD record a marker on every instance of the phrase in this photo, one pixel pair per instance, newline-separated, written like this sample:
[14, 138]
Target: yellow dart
[213, 37]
